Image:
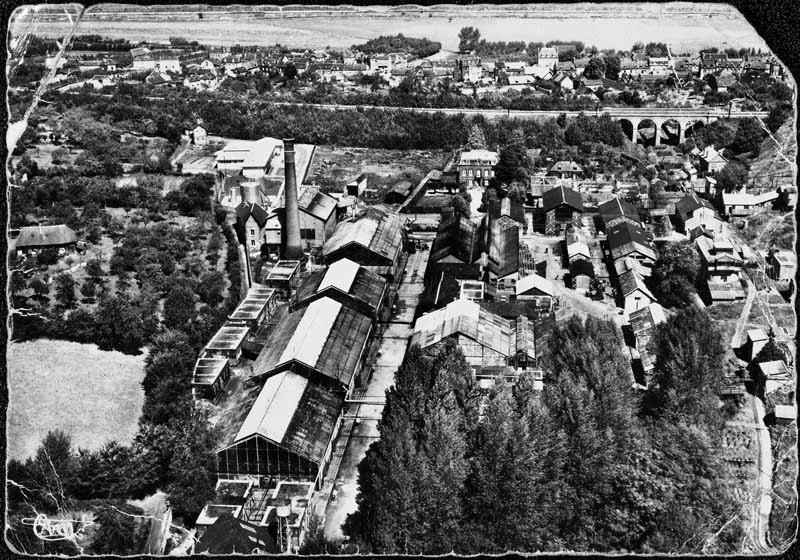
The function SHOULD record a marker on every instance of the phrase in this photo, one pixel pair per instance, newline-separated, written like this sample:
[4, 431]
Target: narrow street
[361, 431]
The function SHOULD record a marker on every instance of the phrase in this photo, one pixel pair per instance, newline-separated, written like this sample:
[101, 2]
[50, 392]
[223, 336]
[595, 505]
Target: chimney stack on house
[292, 247]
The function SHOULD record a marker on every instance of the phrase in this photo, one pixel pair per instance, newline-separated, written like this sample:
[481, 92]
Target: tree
[477, 139]
[749, 134]
[468, 39]
[461, 206]
[88, 289]
[675, 273]
[732, 177]
[119, 324]
[47, 256]
[65, 290]
[40, 289]
[595, 69]
[513, 163]
[290, 71]
[94, 269]
[613, 67]
[116, 531]
[59, 156]
[179, 306]
[210, 287]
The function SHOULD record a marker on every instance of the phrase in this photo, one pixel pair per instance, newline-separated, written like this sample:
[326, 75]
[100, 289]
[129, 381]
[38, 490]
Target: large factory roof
[294, 413]
[346, 277]
[377, 230]
[469, 319]
[325, 336]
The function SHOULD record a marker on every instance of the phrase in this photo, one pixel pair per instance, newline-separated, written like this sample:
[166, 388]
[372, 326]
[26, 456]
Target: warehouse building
[373, 239]
[324, 341]
[348, 283]
[493, 346]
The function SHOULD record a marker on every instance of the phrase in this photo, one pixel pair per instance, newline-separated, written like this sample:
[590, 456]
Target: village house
[721, 263]
[251, 225]
[783, 267]
[537, 289]
[742, 204]
[629, 240]
[643, 323]
[566, 170]
[32, 239]
[711, 161]
[616, 211]
[634, 292]
[694, 212]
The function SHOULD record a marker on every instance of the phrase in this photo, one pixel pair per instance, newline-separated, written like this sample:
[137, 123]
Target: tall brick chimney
[291, 244]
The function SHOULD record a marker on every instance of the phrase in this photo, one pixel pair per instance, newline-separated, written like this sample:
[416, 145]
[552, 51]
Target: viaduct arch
[661, 130]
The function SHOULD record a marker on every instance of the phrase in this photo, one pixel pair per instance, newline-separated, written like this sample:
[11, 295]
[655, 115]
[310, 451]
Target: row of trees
[419, 48]
[587, 465]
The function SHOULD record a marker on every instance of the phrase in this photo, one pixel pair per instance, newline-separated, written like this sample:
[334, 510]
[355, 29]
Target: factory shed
[491, 344]
[348, 283]
[627, 239]
[373, 239]
[284, 277]
[457, 241]
[287, 433]
[616, 211]
[324, 341]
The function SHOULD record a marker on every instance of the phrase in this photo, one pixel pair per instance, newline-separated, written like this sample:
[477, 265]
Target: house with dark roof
[563, 208]
[692, 212]
[32, 239]
[565, 170]
[618, 210]
[251, 223]
[628, 240]
[507, 207]
[398, 193]
[634, 292]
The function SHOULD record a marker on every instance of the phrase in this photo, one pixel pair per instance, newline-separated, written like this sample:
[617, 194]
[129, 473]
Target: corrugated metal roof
[340, 274]
[316, 203]
[261, 152]
[273, 410]
[309, 339]
[375, 229]
[534, 282]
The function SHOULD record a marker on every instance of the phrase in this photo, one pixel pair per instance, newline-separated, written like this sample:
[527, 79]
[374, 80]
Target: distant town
[393, 299]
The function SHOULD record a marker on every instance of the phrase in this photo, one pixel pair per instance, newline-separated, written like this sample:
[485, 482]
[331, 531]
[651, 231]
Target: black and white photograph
[399, 279]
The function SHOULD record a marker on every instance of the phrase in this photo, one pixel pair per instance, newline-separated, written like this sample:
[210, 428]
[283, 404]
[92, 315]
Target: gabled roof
[503, 246]
[625, 238]
[469, 319]
[325, 336]
[507, 207]
[557, 196]
[229, 535]
[534, 282]
[618, 208]
[631, 282]
[686, 206]
[346, 277]
[45, 236]
[247, 209]
[379, 231]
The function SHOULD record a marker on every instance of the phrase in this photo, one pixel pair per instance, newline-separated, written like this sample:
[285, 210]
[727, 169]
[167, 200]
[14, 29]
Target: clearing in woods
[93, 395]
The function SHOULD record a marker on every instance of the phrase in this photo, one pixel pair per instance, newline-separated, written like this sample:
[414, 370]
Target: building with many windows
[476, 167]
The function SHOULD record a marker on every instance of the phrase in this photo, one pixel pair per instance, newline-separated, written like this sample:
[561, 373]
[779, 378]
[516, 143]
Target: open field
[620, 27]
[334, 166]
[93, 395]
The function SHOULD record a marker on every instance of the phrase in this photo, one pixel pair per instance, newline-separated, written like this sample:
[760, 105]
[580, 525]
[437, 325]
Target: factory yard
[96, 399]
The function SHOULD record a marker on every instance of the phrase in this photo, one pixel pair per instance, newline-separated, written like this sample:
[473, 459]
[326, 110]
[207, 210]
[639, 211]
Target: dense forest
[587, 465]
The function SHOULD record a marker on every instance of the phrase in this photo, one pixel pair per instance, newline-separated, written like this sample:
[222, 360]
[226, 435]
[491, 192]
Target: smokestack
[292, 248]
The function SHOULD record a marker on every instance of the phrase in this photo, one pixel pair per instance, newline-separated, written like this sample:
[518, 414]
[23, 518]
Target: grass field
[93, 395]
[334, 166]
